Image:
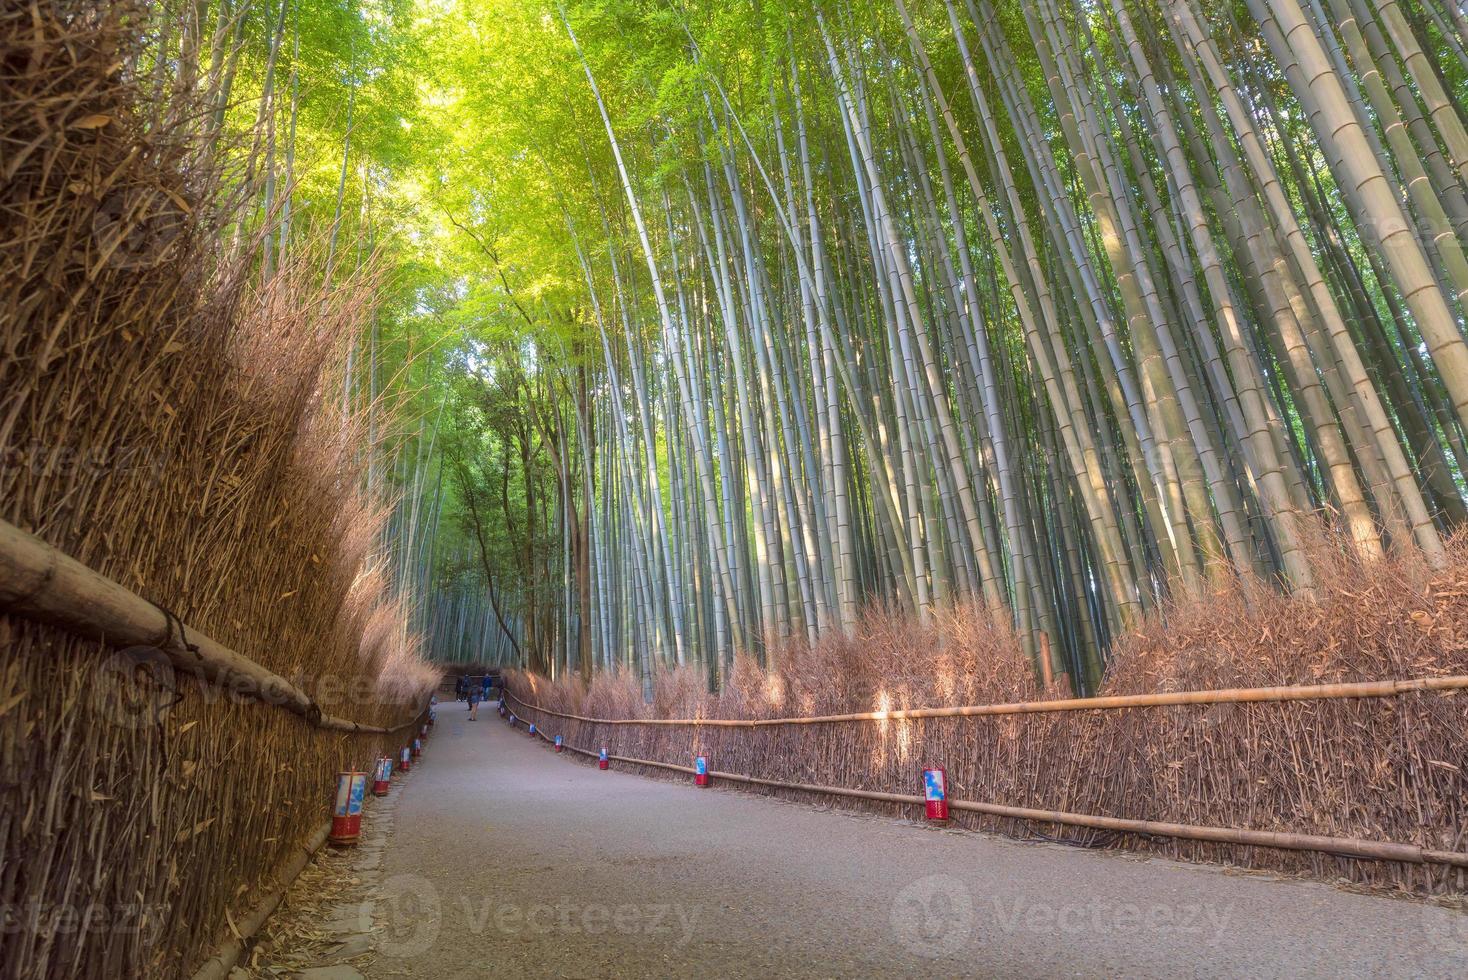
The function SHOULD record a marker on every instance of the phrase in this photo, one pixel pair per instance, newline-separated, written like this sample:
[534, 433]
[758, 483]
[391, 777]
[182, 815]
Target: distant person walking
[488, 683]
[473, 704]
[460, 688]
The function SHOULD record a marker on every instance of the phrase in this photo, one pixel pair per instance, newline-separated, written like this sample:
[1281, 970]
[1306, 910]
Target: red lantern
[700, 771]
[935, 793]
[601, 760]
[531, 732]
[558, 743]
[382, 777]
[407, 762]
[417, 748]
[346, 819]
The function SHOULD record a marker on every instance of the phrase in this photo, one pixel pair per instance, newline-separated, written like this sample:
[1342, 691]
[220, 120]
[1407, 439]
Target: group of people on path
[466, 689]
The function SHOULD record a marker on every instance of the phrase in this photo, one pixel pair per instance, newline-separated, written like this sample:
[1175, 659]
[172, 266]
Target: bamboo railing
[1347, 846]
[40, 583]
[1234, 695]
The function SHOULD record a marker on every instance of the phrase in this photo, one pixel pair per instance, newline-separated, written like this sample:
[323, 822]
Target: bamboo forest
[708, 327]
[865, 461]
[699, 329]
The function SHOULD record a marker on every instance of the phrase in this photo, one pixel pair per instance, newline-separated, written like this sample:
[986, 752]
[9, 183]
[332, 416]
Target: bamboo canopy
[1062, 312]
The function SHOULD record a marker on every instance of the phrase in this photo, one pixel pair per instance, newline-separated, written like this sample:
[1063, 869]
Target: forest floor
[505, 860]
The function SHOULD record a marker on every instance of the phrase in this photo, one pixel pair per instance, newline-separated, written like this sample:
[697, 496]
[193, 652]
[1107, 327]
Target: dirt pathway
[506, 860]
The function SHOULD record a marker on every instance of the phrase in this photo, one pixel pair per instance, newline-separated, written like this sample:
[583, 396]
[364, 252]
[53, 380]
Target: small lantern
[430, 717]
[423, 732]
[407, 762]
[346, 819]
[601, 760]
[531, 733]
[700, 771]
[558, 743]
[935, 793]
[417, 748]
[382, 777]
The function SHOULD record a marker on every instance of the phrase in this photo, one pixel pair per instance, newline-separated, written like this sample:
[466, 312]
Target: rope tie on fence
[174, 631]
[173, 625]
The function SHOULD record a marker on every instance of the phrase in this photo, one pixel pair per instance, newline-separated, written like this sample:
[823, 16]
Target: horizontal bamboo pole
[40, 583]
[1233, 695]
[1345, 846]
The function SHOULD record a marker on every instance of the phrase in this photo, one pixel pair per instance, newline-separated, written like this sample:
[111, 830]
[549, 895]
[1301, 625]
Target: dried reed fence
[166, 422]
[1379, 769]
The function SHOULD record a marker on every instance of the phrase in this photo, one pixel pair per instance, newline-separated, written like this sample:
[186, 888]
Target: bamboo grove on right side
[1063, 309]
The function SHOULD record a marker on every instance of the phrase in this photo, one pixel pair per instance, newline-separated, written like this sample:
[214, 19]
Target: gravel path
[507, 860]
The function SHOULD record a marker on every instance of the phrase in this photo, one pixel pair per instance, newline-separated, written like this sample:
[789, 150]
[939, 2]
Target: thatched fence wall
[1385, 769]
[164, 421]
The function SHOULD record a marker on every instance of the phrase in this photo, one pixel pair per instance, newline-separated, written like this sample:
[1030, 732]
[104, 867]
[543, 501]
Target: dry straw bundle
[164, 421]
[1381, 769]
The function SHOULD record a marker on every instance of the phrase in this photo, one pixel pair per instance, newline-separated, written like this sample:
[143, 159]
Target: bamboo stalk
[40, 583]
[1235, 695]
[1346, 846]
